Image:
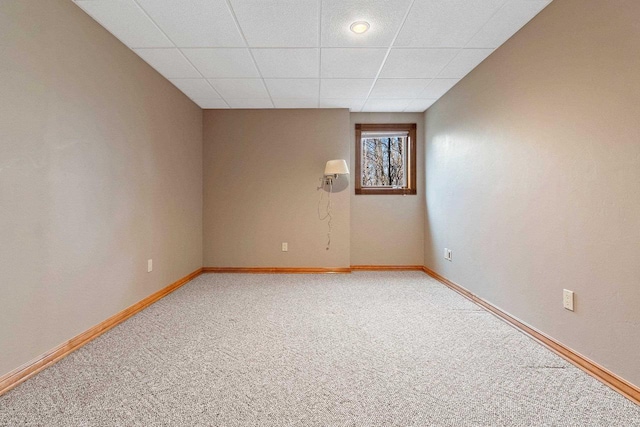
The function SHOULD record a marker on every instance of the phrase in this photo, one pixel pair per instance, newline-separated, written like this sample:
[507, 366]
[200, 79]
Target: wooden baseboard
[311, 270]
[386, 268]
[620, 385]
[280, 270]
[17, 376]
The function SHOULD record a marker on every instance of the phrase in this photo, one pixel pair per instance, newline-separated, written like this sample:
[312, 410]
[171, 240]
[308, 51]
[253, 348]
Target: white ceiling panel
[293, 88]
[221, 62]
[195, 88]
[398, 88]
[125, 20]
[295, 103]
[250, 103]
[302, 53]
[345, 88]
[383, 16]
[278, 23]
[513, 16]
[437, 88]
[287, 63]
[169, 62]
[211, 103]
[351, 104]
[416, 63]
[464, 62]
[392, 105]
[419, 105]
[195, 23]
[240, 88]
[351, 63]
[445, 23]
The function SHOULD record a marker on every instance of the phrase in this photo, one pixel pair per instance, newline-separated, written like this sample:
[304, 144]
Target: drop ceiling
[301, 53]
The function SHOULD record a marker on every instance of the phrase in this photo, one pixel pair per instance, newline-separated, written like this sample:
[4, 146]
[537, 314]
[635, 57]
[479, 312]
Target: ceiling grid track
[460, 49]
[244, 38]
[386, 55]
[179, 50]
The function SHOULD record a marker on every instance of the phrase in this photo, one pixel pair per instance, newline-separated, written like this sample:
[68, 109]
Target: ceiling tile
[195, 23]
[293, 88]
[513, 15]
[125, 20]
[195, 88]
[419, 105]
[240, 88]
[464, 62]
[416, 63]
[250, 103]
[283, 63]
[211, 103]
[278, 23]
[385, 105]
[384, 17]
[351, 63]
[168, 62]
[445, 23]
[438, 87]
[295, 102]
[398, 88]
[221, 62]
[345, 88]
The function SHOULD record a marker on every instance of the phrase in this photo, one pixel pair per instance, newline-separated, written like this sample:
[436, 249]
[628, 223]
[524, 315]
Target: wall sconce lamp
[333, 169]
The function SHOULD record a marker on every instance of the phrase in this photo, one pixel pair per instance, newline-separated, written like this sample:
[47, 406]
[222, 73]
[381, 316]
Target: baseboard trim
[607, 377]
[26, 371]
[278, 270]
[311, 270]
[386, 268]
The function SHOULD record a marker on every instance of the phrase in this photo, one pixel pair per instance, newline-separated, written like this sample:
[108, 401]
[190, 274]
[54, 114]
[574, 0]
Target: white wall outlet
[285, 247]
[567, 299]
[149, 265]
[448, 254]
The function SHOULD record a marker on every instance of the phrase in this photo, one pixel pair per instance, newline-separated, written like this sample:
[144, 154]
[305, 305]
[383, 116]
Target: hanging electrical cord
[327, 214]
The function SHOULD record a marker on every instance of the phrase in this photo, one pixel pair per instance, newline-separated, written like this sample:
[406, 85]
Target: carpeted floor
[365, 349]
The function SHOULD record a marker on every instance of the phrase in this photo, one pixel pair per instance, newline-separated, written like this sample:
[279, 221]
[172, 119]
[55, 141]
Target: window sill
[387, 191]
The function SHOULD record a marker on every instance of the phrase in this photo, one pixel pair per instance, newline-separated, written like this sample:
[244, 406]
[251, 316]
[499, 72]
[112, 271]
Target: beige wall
[261, 170]
[100, 169]
[388, 229]
[533, 179]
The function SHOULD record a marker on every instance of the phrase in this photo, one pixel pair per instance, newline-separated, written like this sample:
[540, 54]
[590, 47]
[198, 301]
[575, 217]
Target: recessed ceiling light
[359, 27]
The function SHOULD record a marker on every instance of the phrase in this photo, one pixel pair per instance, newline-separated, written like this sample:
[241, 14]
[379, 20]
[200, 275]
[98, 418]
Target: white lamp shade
[336, 167]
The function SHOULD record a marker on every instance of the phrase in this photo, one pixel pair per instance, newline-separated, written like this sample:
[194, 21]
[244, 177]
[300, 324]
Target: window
[386, 158]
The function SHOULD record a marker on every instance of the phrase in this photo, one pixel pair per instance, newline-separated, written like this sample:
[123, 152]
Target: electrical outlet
[285, 247]
[567, 299]
[149, 265]
[448, 253]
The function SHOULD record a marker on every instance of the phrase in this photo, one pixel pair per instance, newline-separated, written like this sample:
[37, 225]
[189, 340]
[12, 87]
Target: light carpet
[365, 349]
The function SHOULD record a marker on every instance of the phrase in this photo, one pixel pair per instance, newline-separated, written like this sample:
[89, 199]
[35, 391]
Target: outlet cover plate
[567, 299]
